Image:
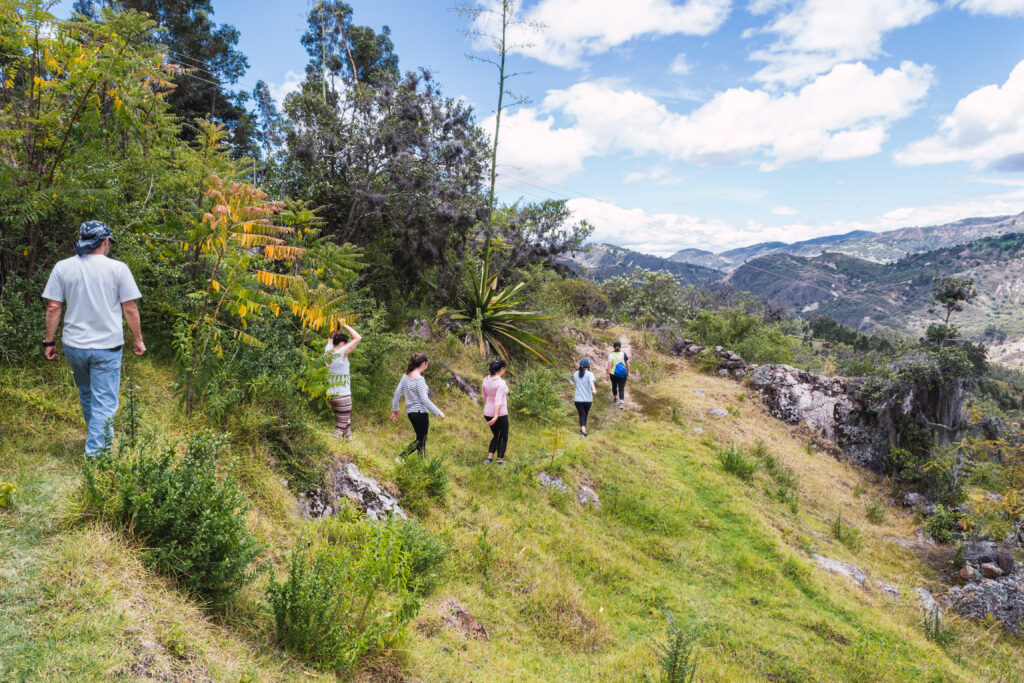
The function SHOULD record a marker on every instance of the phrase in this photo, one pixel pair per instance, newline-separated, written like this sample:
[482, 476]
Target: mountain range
[865, 279]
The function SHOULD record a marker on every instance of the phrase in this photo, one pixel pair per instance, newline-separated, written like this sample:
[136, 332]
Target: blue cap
[90, 236]
[585, 362]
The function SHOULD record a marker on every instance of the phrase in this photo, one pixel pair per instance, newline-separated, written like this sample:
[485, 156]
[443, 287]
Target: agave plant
[494, 315]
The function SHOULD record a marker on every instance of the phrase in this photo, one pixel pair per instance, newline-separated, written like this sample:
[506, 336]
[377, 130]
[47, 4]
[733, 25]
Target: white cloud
[679, 65]
[659, 175]
[815, 35]
[291, 83]
[530, 144]
[985, 129]
[574, 29]
[664, 234]
[1006, 8]
[784, 211]
[841, 115]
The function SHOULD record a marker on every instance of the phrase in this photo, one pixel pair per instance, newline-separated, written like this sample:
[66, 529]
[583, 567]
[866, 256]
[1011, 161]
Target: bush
[677, 656]
[533, 394]
[349, 590]
[944, 525]
[421, 481]
[848, 535]
[8, 490]
[735, 462]
[426, 554]
[743, 333]
[875, 513]
[581, 296]
[646, 297]
[189, 521]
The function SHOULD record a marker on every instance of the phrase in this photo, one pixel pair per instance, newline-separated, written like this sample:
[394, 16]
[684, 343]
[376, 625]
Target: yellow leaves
[283, 253]
[276, 280]
[242, 310]
[215, 285]
[249, 240]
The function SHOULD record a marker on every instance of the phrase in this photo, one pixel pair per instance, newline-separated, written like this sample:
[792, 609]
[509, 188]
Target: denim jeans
[98, 377]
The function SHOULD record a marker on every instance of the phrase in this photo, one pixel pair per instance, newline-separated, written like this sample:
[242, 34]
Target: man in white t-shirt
[97, 290]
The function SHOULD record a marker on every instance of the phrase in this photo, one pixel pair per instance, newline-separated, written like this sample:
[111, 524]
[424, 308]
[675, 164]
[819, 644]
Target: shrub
[707, 361]
[348, 590]
[421, 481]
[533, 394]
[875, 513]
[944, 525]
[189, 521]
[677, 655]
[848, 535]
[735, 462]
[581, 296]
[743, 333]
[426, 554]
[8, 489]
[646, 297]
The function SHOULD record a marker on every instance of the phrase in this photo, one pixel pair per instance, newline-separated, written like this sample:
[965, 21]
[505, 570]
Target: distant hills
[883, 247]
[865, 279]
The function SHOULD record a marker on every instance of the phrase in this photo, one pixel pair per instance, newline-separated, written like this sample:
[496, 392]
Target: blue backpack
[620, 370]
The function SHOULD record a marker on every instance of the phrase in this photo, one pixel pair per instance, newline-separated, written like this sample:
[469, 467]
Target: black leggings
[583, 408]
[499, 440]
[421, 425]
[618, 387]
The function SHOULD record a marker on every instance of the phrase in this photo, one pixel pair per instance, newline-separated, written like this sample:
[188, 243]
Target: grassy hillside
[565, 592]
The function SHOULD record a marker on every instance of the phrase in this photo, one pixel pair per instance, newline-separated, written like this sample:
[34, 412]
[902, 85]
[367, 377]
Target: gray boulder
[1002, 598]
[346, 481]
[850, 571]
[831, 406]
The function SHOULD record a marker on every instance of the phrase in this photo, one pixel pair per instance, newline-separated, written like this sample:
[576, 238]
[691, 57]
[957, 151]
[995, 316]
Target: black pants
[583, 408]
[421, 425]
[618, 387]
[499, 438]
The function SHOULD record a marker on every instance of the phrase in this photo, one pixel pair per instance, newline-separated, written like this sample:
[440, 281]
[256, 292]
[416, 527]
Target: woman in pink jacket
[495, 393]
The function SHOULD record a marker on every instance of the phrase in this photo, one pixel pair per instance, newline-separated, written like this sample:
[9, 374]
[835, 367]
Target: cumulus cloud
[815, 35]
[291, 83]
[985, 129]
[679, 65]
[844, 114]
[664, 234]
[532, 145]
[574, 29]
[1005, 8]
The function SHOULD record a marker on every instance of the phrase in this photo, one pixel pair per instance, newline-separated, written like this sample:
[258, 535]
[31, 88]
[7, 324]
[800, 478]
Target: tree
[397, 170]
[205, 58]
[337, 48]
[268, 117]
[505, 23]
[536, 233]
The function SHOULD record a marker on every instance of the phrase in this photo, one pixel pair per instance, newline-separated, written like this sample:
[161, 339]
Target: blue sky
[719, 123]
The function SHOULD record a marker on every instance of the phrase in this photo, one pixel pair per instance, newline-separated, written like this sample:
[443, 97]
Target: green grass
[565, 592]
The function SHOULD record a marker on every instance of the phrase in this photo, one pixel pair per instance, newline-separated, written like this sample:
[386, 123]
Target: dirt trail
[598, 356]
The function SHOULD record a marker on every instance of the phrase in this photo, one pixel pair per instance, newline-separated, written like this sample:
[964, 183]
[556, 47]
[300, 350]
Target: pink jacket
[495, 393]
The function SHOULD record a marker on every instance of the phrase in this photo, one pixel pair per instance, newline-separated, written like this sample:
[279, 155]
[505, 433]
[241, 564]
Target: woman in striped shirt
[417, 401]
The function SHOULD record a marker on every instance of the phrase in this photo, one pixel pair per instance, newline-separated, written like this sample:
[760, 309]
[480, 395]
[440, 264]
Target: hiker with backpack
[495, 393]
[583, 397]
[418, 405]
[618, 372]
[339, 377]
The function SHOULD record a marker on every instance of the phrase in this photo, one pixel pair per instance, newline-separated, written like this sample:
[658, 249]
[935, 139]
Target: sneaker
[621, 404]
[488, 460]
[500, 462]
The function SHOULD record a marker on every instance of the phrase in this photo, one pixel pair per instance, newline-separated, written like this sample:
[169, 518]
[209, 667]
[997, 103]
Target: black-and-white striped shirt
[417, 398]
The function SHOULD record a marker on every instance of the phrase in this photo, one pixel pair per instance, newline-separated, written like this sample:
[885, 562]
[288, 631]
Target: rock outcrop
[830, 405]
[729, 363]
[346, 481]
[1001, 598]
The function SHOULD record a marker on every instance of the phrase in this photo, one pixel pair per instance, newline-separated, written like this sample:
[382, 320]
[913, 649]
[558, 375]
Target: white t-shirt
[93, 287]
[583, 394]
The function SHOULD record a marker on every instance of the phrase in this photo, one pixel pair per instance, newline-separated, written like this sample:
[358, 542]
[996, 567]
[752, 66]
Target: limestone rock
[462, 620]
[850, 571]
[889, 589]
[586, 496]
[830, 405]
[1002, 598]
[602, 323]
[987, 552]
[463, 385]
[928, 602]
[718, 412]
[549, 482]
[968, 573]
[346, 481]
